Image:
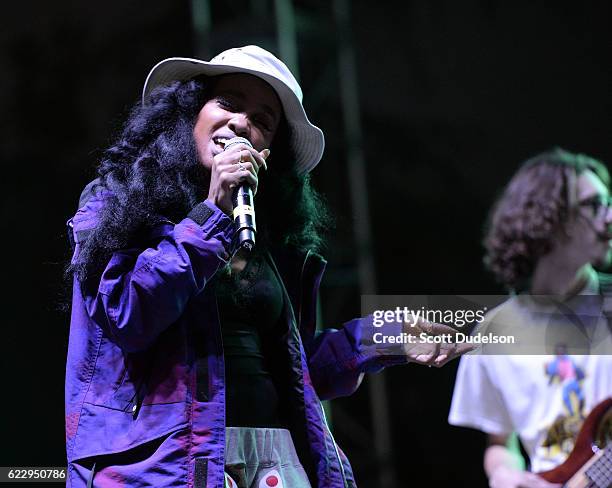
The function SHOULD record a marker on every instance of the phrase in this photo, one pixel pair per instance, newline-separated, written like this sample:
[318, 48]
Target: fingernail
[265, 153]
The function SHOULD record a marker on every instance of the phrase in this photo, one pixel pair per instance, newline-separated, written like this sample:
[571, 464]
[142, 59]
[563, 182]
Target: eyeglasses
[599, 204]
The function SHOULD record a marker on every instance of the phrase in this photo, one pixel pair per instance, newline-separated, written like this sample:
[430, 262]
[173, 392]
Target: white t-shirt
[543, 398]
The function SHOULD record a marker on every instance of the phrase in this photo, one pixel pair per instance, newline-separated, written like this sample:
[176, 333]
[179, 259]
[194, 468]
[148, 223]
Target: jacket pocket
[117, 377]
[127, 381]
[161, 461]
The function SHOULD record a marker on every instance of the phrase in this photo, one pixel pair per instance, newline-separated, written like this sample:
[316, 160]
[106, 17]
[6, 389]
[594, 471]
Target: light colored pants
[262, 458]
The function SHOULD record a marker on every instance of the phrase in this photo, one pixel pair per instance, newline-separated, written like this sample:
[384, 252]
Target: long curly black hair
[152, 173]
[536, 203]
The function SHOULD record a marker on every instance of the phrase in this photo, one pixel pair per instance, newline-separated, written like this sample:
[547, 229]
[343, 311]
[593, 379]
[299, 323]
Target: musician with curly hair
[547, 233]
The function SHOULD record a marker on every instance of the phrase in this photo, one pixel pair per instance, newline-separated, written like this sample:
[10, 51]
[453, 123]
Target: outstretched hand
[434, 344]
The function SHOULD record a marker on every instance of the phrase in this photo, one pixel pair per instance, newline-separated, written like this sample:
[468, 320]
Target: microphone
[244, 209]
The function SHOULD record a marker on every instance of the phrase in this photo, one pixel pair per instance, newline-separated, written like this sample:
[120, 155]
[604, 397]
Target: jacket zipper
[301, 281]
[344, 482]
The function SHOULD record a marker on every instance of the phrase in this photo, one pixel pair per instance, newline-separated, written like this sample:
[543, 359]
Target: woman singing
[194, 361]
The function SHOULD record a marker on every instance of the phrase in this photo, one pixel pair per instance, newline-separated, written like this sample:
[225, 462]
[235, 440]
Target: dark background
[454, 95]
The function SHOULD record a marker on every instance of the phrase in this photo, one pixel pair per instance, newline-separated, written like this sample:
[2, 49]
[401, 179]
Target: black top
[250, 304]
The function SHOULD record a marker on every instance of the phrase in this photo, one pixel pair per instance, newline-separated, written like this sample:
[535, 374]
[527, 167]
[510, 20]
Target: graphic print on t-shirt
[568, 375]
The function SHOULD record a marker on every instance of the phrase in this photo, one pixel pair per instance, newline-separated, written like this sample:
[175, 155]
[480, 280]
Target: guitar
[589, 465]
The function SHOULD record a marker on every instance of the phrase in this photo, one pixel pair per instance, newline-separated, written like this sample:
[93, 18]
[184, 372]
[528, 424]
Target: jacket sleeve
[143, 291]
[338, 358]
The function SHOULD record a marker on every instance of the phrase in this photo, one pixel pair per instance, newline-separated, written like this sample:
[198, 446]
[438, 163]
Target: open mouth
[220, 141]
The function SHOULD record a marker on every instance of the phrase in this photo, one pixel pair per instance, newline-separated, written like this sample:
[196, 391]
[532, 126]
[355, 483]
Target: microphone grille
[237, 140]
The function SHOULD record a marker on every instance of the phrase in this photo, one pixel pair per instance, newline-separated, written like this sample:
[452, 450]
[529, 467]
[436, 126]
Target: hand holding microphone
[234, 181]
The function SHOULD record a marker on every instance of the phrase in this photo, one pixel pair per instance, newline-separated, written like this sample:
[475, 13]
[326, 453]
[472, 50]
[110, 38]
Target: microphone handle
[244, 209]
[244, 217]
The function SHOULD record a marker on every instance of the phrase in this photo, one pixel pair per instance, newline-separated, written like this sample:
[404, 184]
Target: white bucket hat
[306, 139]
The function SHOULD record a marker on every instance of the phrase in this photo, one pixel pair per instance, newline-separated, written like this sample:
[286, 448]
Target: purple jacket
[145, 389]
